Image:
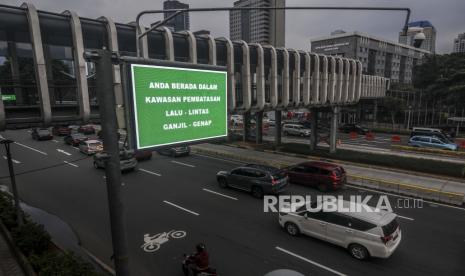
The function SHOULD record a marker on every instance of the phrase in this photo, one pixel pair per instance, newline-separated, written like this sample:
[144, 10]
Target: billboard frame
[129, 101]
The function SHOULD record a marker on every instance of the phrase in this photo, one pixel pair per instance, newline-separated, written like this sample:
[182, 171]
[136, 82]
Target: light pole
[7, 143]
[408, 118]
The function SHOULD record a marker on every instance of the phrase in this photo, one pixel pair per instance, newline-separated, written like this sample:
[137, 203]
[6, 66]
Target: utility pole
[19, 216]
[106, 98]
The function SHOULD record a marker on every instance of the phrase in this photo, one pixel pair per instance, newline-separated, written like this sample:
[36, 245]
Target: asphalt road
[182, 194]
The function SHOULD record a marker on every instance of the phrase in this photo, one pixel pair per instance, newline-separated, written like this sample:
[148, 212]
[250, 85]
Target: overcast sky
[448, 16]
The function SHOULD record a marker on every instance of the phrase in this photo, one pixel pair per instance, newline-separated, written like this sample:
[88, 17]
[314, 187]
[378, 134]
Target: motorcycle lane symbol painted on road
[153, 243]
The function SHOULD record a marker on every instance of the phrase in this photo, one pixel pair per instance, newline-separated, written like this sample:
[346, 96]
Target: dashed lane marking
[310, 261]
[220, 194]
[184, 164]
[149, 172]
[14, 160]
[31, 148]
[71, 164]
[64, 152]
[181, 208]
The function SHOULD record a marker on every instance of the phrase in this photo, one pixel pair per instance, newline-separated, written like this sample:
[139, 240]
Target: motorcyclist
[199, 262]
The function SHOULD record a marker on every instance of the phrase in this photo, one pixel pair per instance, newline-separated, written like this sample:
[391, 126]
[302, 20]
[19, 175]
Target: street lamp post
[7, 143]
[409, 114]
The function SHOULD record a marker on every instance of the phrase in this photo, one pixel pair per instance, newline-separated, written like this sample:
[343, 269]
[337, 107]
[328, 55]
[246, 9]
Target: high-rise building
[379, 57]
[260, 26]
[181, 21]
[420, 27]
[459, 44]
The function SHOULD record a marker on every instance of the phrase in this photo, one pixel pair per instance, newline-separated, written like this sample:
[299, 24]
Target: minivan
[321, 175]
[374, 233]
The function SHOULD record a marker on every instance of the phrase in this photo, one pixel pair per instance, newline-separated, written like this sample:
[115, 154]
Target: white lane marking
[75, 148]
[64, 152]
[407, 218]
[56, 141]
[71, 164]
[310, 261]
[402, 196]
[154, 173]
[181, 163]
[182, 208]
[28, 147]
[14, 160]
[216, 158]
[30, 131]
[1, 137]
[220, 194]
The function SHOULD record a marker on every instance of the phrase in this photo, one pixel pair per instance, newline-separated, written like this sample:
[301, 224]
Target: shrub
[31, 238]
[52, 264]
[7, 211]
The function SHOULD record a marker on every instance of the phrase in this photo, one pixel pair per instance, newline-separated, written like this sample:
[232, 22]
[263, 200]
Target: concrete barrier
[425, 150]
[407, 189]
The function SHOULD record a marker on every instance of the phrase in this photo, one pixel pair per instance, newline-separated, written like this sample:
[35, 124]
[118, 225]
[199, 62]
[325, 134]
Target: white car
[295, 129]
[90, 146]
[365, 234]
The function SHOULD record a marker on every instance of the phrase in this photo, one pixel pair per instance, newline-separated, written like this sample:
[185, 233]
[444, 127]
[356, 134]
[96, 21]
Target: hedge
[35, 243]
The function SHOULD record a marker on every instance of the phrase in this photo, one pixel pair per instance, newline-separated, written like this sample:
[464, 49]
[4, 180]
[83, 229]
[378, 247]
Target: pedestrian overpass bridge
[44, 79]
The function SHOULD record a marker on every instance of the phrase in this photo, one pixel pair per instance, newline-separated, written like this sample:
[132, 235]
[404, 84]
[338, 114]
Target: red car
[322, 175]
[61, 130]
[86, 129]
[74, 139]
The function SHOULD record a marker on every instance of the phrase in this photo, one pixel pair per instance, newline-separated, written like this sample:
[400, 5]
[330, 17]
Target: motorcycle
[153, 243]
[210, 271]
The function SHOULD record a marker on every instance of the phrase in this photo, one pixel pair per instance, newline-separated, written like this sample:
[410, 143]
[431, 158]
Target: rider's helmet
[200, 247]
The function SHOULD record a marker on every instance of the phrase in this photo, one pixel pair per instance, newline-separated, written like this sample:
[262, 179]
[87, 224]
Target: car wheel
[292, 229]
[285, 133]
[222, 182]
[322, 188]
[96, 165]
[257, 192]
[173, 154]
[358, 251]
[302, 135]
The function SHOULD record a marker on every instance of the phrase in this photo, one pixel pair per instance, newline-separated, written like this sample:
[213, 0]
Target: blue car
[431, 142]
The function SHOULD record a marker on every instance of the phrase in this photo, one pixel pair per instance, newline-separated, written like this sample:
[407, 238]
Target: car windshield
[94, 145]
[43, 131]
[78, 136]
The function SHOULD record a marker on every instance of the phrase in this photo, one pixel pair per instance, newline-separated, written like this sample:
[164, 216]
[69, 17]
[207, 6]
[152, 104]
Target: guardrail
[407, 189]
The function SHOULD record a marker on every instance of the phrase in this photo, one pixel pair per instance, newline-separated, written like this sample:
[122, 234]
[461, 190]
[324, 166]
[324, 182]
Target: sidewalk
[395, 181]
[8, 264]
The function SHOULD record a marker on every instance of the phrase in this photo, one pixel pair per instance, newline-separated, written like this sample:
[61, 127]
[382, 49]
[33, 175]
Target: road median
[286, 160]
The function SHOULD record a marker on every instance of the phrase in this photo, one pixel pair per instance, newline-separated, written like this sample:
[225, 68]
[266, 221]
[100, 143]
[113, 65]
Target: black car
[41, 134]
[256, 179]
[175, 151]
[74, 139]
[347, 128]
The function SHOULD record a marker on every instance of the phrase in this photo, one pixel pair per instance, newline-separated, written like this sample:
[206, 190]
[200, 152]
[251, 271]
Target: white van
[365, 234]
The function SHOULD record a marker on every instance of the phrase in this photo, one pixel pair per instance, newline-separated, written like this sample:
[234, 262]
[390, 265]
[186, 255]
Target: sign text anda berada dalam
[182, 86]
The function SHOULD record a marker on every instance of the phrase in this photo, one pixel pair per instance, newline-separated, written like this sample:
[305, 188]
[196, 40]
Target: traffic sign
[176, 105]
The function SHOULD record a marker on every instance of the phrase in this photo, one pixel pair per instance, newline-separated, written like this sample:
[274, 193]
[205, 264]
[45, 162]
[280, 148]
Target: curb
[100, 263]
[459, 154]
[374, 183]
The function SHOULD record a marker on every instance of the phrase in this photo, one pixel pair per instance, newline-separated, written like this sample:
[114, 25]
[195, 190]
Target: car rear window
[390, 228]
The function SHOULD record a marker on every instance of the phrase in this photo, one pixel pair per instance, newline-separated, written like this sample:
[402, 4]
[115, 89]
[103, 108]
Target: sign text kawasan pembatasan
[178, 105]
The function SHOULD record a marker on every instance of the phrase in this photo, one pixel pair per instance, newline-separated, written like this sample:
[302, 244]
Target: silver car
[90, 147]
[363, 233]
[127, 160]
[431, 142]
[295, 129]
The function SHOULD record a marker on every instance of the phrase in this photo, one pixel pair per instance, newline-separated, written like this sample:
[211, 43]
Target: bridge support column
[246, 123]
[314, 129]
[259, 127]
[375, 112]
[277, 128]
[333, 130]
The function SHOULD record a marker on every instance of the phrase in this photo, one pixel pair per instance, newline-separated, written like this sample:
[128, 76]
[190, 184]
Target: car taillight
[386, 239]
[274, 181]
[334, 177]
